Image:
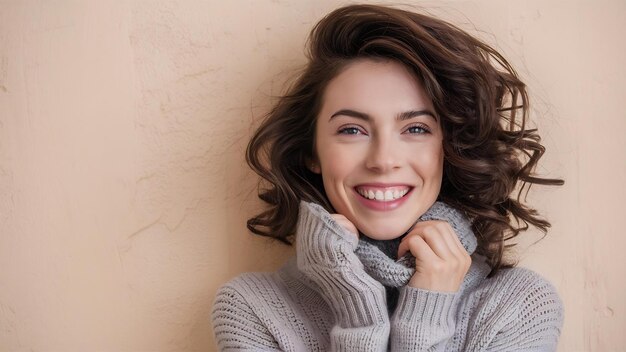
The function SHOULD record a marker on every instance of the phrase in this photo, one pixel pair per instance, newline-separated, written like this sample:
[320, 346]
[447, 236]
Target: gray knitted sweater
[343, 294]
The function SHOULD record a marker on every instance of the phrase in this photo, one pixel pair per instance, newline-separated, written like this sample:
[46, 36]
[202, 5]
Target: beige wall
[123, 192]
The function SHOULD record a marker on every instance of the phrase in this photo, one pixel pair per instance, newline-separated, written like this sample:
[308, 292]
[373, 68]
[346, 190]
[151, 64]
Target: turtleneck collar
[378, 257]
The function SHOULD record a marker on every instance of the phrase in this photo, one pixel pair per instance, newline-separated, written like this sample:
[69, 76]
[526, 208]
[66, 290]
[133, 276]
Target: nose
[383, 155]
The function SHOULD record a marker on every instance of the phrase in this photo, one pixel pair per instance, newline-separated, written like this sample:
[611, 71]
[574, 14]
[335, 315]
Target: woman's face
[379, 147]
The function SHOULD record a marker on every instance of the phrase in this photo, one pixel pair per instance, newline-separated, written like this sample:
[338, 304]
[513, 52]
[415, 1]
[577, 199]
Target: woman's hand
[345, 223]
[441, 262]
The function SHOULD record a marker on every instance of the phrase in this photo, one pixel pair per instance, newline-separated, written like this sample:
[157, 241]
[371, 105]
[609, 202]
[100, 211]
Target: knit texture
[333, 296]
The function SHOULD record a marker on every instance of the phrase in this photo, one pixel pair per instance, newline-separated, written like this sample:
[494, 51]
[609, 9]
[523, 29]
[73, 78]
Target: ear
[313, 166]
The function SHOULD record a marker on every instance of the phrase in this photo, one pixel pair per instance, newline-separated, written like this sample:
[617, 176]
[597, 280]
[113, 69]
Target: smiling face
[379, 147]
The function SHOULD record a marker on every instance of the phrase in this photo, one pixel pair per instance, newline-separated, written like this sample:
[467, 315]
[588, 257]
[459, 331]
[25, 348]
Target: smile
[382, 194]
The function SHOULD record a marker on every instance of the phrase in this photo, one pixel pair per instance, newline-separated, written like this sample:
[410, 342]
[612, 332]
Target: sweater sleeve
[325, 254]
[536, 325]
[236, 327]
[423, 321]
[528, 318]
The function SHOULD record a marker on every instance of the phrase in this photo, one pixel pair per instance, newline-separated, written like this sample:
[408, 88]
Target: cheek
[336, 165]
[438, 162]
[338, 160]
[429, 162]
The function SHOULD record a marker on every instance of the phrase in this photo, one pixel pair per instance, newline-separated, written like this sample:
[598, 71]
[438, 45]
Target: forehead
[375, 86]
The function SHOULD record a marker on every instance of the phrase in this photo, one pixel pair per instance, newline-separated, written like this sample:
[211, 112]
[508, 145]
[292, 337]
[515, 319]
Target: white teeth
[380, 195]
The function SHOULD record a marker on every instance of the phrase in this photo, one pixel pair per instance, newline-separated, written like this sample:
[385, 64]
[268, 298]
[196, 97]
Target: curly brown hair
[482, 103]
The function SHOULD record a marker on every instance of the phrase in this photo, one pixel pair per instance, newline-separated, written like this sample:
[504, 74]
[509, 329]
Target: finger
[418, 247]
[458, 254]
[349, 226]
[450, 236]
[452, 239]
[345, 223]
[455, 241]
[461, 257]
[434, 234]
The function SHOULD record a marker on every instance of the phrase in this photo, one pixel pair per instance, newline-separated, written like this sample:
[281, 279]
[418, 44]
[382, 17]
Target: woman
[392, 161]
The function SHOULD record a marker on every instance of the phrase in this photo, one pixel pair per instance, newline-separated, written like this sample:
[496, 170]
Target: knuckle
[456, 264]
[442, 225]
[468, 262]
[429, 232]
[340, 218]
[414, 242]
[437, 267]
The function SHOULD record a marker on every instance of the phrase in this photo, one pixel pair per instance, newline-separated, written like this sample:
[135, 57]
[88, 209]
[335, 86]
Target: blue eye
[349, 130]
[417, 129]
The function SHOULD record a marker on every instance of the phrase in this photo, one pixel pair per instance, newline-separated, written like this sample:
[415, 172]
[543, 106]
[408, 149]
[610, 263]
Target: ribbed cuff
[423, 321]
[321, 240]
[356, 299]
[325, 254]
[371, 338]
[423, 307]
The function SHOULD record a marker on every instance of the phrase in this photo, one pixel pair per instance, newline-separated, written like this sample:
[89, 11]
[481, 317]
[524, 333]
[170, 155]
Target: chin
[383, 234]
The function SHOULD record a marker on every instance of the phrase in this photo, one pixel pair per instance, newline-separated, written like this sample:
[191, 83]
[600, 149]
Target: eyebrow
[400, 117]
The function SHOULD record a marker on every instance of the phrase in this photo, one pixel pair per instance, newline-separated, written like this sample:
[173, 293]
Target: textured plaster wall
[123, 189]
